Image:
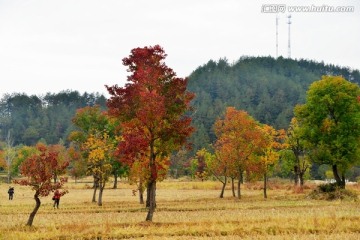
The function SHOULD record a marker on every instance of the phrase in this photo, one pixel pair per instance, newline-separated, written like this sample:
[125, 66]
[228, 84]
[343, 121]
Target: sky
[56, 45]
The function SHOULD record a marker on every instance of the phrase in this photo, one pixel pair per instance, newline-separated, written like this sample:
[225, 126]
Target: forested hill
[47, 118]
[267, 88]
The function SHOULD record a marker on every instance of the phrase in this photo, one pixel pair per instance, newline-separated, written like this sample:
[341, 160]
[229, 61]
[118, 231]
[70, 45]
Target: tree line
[32, 118]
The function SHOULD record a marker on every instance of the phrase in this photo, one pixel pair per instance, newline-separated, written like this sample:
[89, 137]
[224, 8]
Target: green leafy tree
[296, 143]
[330, 119]
[117, 170]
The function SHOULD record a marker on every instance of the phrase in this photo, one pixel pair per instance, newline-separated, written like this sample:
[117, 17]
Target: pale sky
[55, 45]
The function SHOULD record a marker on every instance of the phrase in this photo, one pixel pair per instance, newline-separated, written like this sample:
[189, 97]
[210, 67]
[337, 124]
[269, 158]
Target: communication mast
[289, 48]
[277, 36]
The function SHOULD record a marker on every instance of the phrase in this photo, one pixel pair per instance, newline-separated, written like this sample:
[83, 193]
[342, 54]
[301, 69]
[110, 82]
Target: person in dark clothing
[11, 193]
[56, 198]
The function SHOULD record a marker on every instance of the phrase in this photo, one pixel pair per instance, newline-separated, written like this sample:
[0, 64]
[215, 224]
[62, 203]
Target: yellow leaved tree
[100, 148]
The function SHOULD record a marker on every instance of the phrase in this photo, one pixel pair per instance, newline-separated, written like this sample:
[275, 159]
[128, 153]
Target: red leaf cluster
[40, 168]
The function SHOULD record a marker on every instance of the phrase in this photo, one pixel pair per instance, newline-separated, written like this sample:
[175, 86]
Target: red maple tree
[151, 107]
[39, 169]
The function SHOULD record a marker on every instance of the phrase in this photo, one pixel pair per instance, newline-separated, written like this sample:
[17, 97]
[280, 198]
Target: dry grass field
[185, 210]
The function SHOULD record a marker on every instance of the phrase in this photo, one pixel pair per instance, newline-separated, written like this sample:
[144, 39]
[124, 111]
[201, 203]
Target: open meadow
[185, 210]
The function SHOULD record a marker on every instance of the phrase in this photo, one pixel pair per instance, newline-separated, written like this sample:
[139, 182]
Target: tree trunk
[148, 196]
[301, 176]
[101, 190]
[141, 196]
[238, 188]
[141, 192]
[233, 187]
[343, 180]
[265, 185]
[94, 194]
[9, 177]
[151, 190]
[223, 188]
[115, 181]
[33, 213]
[152, 200]
[296, 173]
[241, 177]
[339, 181]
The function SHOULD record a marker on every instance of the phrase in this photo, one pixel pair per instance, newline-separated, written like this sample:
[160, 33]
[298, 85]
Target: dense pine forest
[30, 119]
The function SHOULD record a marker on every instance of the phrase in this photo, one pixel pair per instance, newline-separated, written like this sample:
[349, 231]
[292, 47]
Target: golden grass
[185, 210]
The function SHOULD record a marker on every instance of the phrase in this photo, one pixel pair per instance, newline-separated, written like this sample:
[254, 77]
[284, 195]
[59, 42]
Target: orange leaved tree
[151, 108]
[39, 170]
[238, 138]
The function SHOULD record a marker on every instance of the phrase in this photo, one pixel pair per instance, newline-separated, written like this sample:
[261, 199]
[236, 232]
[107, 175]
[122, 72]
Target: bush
[328, 187]
[332, 192]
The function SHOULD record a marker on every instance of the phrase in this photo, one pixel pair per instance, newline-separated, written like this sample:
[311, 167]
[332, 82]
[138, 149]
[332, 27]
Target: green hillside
[265, 87]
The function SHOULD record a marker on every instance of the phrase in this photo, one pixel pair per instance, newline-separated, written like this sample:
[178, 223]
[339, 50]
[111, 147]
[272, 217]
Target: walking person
[11, 193]
[56, 198]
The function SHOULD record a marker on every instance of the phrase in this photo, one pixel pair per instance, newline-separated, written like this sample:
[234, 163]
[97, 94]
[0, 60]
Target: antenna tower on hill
[289, 48]
[277, 36]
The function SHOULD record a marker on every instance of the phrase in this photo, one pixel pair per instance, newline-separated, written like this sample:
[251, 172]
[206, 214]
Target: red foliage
[39, 169]
[151, 106]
